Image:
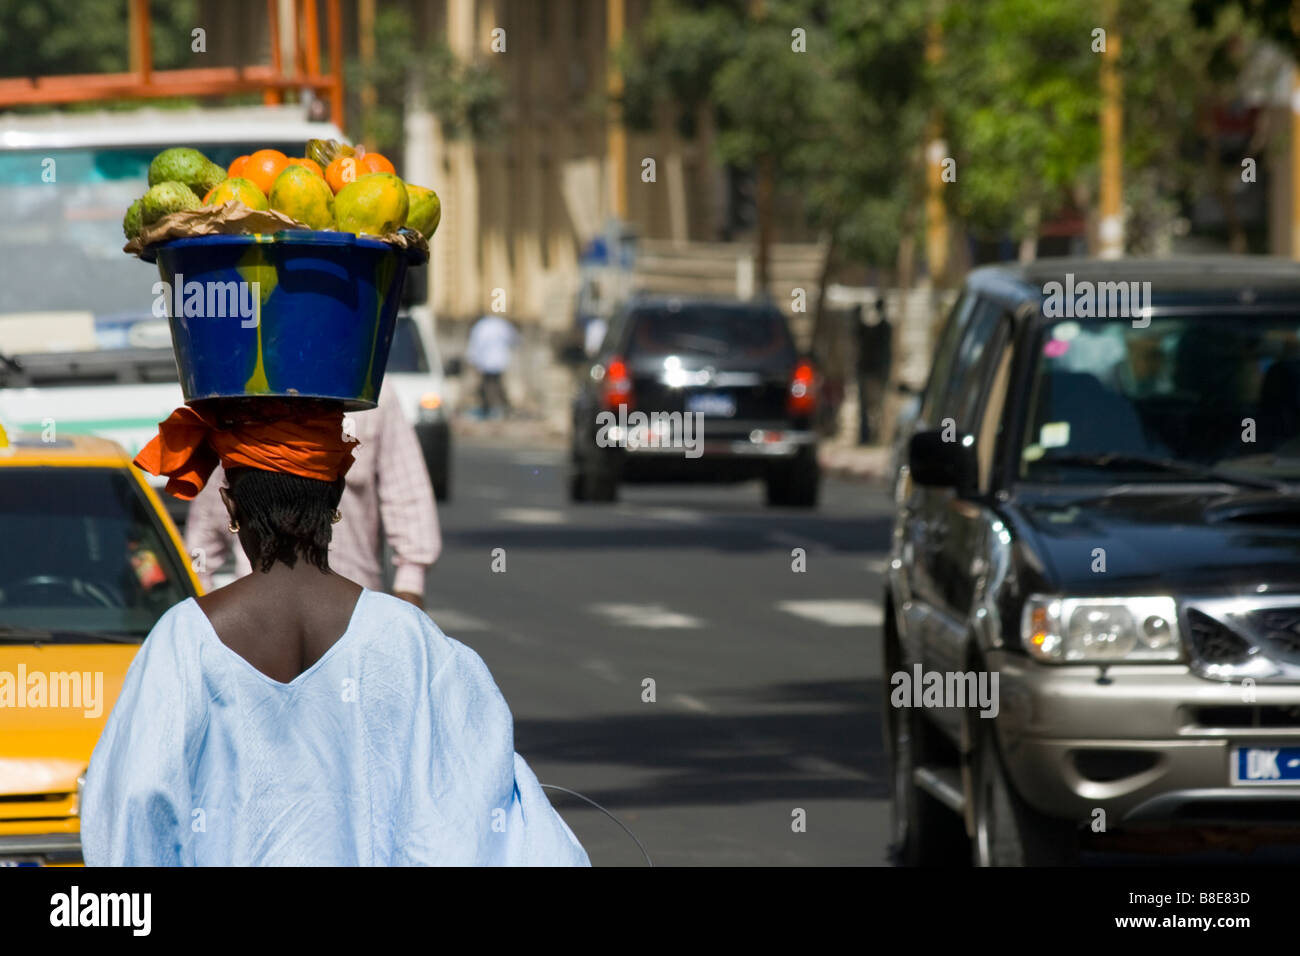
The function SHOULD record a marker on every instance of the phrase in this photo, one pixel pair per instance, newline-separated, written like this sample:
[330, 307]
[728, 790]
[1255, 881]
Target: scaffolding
[143, 82]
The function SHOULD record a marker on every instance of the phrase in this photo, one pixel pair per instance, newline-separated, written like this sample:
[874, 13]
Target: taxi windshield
[83, 554]
[1165, 399]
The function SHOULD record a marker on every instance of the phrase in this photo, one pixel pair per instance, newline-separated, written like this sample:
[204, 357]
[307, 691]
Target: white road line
[532, 515]
[452, 622]
[836, 613]
[535, 458]
[692, 703]
[791, 541]
[644, 615]
[877, 565]
[602, 669]
[681, 515]
[488, 492]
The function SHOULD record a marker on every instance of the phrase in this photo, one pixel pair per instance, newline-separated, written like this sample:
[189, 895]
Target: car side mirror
[937, 459]
[415, 290]
[451, 368]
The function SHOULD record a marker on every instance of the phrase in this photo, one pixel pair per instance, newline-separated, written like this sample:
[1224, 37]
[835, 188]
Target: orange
[236, 169]
[308, 164]
[342, 171]
[374, 163]
[263, 167]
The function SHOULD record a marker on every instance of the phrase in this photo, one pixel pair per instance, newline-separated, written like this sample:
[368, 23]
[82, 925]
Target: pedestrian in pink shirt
[388, 483]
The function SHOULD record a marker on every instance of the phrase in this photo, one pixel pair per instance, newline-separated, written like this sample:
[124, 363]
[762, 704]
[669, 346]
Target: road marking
[452, 622]
[682, 515]
[877, 565]
[532, 515]
[645, 615]
[791, 541]
[692, 703]
[489, 492]
[603, 669]
[535, 458]
[836, 613]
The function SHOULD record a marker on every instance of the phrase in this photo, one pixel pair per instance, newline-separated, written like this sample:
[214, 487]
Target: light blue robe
[395, 748]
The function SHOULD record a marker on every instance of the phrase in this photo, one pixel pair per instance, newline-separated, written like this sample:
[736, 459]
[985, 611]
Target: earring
[233, 526]
[336, 517]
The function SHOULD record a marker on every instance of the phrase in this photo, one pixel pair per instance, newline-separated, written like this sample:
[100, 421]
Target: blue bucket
[296, 314]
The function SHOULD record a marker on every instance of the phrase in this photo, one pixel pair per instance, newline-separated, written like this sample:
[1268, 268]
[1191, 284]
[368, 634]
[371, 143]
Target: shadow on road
[828, 748]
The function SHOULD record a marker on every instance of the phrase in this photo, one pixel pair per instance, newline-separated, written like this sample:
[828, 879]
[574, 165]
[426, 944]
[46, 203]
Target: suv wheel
[795, 483]
[592, 483]
[1008, 832]
[924, 832]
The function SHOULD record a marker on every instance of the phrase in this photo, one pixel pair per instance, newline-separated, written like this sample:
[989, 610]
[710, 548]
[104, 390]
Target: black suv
[1092, 618]
[697, 390]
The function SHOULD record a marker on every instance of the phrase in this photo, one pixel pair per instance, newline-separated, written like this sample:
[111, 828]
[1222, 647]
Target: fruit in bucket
[374, 163]
[263, 167]
[308, 164]
[425, 210]
[374, 205]
[181, 164]
[324, 151]
[131, 221]
[236, 190]
[302, 195]
[166, 198]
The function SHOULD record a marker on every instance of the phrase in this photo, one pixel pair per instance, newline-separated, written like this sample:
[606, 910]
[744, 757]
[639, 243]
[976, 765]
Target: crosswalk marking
[836, 613]
[453, 622]
[645, 615]
[532, 515]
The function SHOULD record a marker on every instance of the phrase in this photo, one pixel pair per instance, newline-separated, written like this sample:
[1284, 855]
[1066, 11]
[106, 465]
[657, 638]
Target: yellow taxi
[89, 560]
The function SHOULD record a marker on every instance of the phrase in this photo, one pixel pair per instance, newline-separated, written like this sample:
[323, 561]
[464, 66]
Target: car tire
[795, 484]
[592, 484]
[923, 832]
[1009, 832]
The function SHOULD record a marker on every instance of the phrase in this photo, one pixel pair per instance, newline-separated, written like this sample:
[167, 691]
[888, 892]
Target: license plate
[1265, 766]
[713, 404]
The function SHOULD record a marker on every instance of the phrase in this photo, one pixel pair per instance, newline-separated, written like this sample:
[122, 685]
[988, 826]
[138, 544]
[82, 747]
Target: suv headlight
[1069, 630]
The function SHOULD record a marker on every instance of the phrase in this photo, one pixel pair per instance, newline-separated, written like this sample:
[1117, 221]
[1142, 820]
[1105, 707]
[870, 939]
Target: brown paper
[233, 218]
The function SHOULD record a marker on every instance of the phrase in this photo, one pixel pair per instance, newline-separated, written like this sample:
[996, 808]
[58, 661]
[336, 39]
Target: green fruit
[302, 195]
[374, 205]
[166, 198]
[426, 210]
[184, 165]
[131, 222]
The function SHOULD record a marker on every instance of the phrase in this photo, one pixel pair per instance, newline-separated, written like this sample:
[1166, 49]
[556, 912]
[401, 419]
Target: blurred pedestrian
[491, 344]
[387, 484]
[875, 363]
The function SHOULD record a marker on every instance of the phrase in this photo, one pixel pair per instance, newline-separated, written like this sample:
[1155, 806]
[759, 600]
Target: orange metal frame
[144, 82]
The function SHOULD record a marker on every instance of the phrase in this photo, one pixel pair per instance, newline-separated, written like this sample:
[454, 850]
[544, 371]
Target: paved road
[765, 679]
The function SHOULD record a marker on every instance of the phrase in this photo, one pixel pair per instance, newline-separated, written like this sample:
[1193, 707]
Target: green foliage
[89, 36]
[466, 97]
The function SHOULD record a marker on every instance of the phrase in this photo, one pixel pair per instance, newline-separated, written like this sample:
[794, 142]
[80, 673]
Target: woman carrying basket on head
[294, 717]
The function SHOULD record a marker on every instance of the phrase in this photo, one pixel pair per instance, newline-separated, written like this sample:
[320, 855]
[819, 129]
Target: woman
[295, 717]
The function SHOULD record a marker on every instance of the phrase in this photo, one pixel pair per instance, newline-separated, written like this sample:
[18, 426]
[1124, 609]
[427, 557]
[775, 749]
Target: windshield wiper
[44, 635]
[1170, 465]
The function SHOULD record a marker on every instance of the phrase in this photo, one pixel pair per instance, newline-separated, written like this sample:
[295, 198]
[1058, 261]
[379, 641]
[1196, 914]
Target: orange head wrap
[190, 443]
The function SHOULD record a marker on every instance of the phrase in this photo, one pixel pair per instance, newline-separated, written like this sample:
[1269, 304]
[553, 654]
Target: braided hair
[284, 516]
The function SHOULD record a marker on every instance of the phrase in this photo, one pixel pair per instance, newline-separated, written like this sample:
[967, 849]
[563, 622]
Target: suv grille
[1212, 642]
[1280, 629]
